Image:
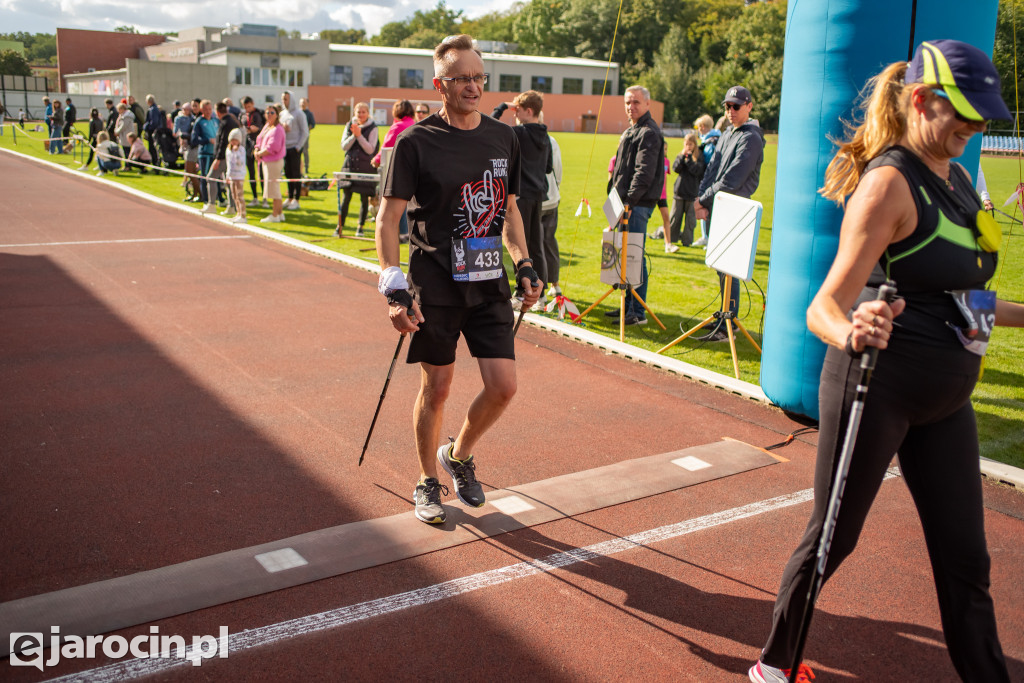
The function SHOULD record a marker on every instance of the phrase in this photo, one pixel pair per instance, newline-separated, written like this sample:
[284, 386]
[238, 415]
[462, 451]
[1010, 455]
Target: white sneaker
[101, 173]
[659, 234]
[264, 204]
[228, 212]
[254, 203]
[239, 219]
[269, 219]
[540, 306]
[553, 291]
[83, 167]
[208, 208]
[671, 248]
[702, 242]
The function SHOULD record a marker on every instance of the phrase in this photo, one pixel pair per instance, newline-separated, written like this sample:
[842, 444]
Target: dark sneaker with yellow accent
[427, 498]
[463, 474]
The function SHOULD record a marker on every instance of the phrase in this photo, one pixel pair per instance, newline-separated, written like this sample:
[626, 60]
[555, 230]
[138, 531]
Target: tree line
[687, 52]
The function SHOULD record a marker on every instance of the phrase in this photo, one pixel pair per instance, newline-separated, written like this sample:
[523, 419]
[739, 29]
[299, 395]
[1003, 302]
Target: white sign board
[613, 208]
[732, 240]
[611, 258]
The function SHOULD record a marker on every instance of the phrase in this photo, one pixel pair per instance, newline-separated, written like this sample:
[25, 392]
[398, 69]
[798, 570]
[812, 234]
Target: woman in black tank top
[912, 217]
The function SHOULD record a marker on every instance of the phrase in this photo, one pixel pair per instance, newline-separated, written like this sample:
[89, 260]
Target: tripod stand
[623, 285]
[724, 314]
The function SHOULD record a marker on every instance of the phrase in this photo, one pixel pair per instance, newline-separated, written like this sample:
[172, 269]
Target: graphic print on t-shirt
[483, 202]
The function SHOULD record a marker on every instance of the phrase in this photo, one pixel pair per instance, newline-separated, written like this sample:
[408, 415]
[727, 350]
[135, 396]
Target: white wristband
[390, 279]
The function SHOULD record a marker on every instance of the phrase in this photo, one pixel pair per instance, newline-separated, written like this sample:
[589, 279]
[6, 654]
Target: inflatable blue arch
[832, 48]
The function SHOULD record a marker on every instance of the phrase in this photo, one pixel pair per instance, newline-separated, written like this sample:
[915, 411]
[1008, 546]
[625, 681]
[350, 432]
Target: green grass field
[683, 290]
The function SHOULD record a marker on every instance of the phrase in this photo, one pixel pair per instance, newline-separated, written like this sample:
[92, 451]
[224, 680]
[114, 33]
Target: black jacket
[639, 172]
[736, 166]
[535, 154]
[228, 123]
[691, 170]
[111, 121]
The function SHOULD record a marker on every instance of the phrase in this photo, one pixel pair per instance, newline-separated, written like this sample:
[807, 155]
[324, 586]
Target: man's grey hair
[640, 89]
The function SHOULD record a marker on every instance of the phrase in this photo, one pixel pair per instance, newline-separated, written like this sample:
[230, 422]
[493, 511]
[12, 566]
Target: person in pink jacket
[270, 152]
[402, 112]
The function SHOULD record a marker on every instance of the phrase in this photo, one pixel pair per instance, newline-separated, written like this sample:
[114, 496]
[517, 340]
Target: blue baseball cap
[965, 73]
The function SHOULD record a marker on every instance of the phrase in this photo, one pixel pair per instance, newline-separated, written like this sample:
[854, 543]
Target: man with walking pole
[457, 173]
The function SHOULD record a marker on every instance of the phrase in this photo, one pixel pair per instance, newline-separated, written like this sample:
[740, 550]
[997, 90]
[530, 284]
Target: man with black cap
[736, 169]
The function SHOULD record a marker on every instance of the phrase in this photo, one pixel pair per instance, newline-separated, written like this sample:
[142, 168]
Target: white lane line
[343, 616]
[147, 239]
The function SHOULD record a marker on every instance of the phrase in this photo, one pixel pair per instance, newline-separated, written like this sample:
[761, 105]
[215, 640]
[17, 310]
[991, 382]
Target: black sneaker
[427, 498]
[614, 313]
[634, 319]
[463, 474]
[716, 335]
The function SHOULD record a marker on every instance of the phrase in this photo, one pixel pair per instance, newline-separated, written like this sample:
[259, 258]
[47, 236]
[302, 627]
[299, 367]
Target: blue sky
[44, 16]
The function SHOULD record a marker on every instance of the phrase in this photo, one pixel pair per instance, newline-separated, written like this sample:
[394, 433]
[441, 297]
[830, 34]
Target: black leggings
[364, 206]
[918, 406]
[293, 171]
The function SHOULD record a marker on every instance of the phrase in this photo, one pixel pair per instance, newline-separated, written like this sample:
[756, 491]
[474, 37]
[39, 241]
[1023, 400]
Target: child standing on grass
[236, 170]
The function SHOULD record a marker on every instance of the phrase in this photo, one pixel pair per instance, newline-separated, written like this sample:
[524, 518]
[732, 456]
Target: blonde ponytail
[885, 97]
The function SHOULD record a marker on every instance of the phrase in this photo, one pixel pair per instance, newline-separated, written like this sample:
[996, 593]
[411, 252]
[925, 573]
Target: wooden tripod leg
[747, 335]
[646, 308]
[686, 334]
[594, 305]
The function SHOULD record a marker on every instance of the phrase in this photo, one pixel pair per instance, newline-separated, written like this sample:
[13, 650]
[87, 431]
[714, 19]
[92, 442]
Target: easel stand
[729, 317]
[625, 289]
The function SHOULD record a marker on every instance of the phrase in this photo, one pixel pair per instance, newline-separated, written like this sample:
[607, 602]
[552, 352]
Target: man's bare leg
[499, 376]
[428, 413]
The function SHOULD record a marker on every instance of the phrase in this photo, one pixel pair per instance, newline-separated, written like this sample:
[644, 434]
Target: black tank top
[941, 254]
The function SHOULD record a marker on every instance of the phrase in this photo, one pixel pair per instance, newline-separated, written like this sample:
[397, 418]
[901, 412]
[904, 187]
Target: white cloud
[44, 16]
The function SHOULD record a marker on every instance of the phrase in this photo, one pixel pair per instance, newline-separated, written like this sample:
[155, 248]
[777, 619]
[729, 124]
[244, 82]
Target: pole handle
[886, 293]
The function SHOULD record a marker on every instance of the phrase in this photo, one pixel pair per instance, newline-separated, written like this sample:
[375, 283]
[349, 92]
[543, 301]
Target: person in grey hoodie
[296, 133]
[736, 169]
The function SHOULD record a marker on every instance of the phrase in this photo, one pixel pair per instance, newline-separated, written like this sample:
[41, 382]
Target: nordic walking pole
[887, 292]
[522, 312]
[383, 393]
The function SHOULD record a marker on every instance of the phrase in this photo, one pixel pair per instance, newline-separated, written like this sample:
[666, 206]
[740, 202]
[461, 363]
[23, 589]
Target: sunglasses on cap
[959, 116]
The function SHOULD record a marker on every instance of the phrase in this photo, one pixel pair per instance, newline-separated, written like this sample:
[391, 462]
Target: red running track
[177, 389]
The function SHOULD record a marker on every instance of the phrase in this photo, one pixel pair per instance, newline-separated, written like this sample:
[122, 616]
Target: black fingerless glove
[527, 271]
[400, 297]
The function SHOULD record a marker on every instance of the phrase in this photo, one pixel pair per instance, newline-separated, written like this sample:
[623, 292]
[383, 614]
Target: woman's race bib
[978, 307]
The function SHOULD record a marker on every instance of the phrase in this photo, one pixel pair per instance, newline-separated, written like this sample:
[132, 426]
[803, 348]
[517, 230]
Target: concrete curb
[1006, 474]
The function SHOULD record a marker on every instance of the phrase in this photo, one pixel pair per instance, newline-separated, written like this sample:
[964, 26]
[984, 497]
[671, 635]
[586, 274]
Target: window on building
[598, 86]
[572, 86]
[238, 75]
[375, 76]
[300, 77]
[341, 75]
[410, 78]
[247, 76]
[510, 83]
[541, 83]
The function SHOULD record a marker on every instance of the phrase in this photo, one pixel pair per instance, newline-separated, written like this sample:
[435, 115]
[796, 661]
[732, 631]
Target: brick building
[81, 51]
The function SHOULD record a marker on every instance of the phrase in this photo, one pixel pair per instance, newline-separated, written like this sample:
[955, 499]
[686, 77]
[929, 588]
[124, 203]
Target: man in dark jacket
[111, 117]
[228, 123]
[639, 177]
[535, 152]
[155, 119]
[138, 113]
[70, 116]
[736, 169]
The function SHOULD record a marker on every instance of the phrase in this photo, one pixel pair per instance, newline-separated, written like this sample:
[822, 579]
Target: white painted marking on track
[511, 505]
[343, 616]
[279, 560]
[691, 463]
[135, 241]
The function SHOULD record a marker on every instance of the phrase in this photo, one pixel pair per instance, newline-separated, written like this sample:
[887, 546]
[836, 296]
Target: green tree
[1008, 53]
[671, 79]
[352, 36]
[125, 29]
[425, 38]
[13, 64]
[493, 25]
[391, 34]
[40, 48]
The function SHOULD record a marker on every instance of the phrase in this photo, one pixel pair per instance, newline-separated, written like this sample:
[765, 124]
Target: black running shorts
[487, 328]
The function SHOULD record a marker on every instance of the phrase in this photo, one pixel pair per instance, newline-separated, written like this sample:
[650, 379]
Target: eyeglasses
[422, 111]
[465, 80]
[734, 107]
[960, 117]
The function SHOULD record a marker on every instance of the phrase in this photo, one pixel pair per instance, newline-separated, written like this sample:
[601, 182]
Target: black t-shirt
[458, 183]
